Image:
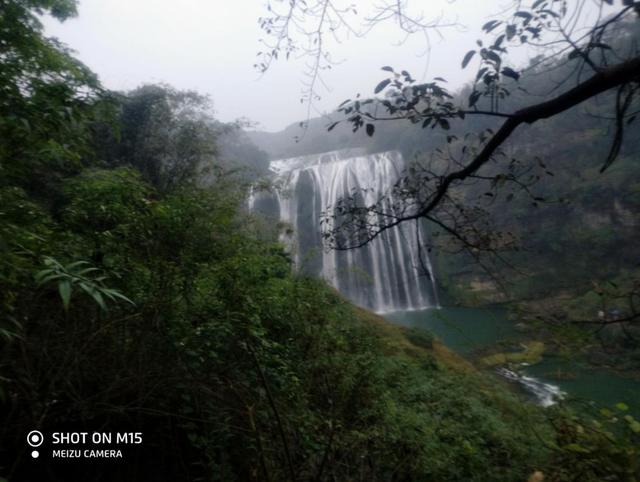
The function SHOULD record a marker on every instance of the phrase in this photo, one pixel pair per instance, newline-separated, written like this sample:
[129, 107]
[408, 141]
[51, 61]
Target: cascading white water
[386, 274]
[545, 393]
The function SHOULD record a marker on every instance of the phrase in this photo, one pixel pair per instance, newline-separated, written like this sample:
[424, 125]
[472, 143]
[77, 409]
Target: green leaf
[508, 72]
[98, 298]
[522, 14]
[380, 87]
[473, 98]
[42, 279]
[72, 266]
[493, 56]
[576, 448]
[64, 288]
[116, 294]
[86, 288]
[467, 58]
[370, 129]
[622, 406]
[490, 25]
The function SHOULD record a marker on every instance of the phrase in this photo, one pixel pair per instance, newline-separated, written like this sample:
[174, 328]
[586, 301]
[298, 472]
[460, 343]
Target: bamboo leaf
[64, 288]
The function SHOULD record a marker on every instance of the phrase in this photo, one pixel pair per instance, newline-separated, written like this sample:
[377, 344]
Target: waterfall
[384, 275]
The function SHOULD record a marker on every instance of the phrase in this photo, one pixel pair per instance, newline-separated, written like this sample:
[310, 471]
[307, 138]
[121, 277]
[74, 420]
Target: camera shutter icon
[35, 438]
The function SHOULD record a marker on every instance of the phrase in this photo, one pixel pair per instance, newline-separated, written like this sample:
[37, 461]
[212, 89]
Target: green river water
[468, 330]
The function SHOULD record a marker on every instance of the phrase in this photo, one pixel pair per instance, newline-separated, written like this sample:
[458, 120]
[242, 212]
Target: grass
[531, 354]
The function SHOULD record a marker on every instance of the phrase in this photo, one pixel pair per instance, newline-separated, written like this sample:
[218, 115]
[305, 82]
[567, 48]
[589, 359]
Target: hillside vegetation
[138, 295]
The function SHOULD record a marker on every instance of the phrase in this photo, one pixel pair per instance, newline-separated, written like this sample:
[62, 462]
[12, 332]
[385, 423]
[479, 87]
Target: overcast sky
[211, 45]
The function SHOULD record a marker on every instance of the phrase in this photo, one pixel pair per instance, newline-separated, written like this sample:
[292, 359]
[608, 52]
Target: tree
[169, 135]
[237, 150]
[48, 97]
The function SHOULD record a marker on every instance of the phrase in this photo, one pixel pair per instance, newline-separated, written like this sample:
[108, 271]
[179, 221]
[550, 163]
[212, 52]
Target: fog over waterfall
[386, 274]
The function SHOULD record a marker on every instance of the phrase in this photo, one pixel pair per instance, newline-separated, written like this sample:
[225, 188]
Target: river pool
[469, 330]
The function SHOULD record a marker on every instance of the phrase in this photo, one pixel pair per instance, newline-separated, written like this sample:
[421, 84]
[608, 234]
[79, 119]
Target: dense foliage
[135, 297]
[163, 314]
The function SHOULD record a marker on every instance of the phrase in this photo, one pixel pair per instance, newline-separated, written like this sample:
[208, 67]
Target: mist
[211, 47]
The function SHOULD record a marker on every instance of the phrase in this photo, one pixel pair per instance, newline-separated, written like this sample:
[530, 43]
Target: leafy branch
[76, 276]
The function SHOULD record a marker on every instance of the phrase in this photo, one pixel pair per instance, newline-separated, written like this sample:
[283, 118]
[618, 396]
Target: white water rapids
[545, 394]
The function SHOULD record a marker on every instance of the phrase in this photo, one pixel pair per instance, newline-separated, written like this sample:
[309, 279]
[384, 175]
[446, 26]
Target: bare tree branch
[604, 80]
